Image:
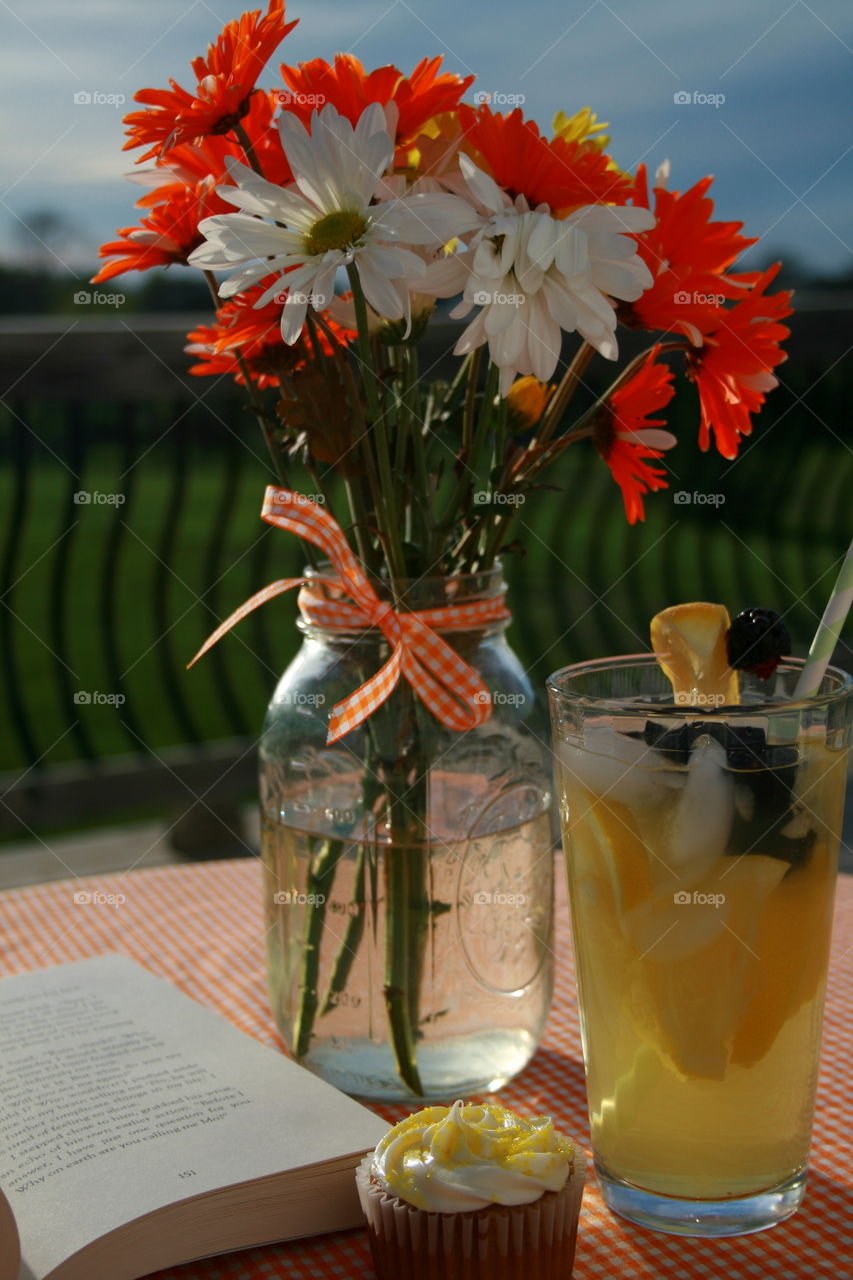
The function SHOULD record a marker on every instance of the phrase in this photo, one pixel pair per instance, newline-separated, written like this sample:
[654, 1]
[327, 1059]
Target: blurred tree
[40, 236]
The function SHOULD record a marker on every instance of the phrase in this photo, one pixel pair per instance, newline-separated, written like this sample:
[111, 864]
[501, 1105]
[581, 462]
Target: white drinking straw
[829, 629]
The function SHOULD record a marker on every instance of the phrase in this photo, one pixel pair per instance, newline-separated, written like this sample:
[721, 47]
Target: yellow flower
[585, 129]
[580, 128]
[431, 155]
[527, 399]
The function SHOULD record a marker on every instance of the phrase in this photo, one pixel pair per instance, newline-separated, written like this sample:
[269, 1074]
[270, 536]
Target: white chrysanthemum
[534, 276]
[305, 232]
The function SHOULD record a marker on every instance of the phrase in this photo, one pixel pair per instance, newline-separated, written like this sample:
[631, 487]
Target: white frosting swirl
[462, 1158]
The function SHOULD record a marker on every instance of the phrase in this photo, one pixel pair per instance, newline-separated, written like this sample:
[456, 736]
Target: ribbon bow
[451, 688]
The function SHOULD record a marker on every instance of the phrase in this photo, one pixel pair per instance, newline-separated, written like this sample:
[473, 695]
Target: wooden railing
[130, 494]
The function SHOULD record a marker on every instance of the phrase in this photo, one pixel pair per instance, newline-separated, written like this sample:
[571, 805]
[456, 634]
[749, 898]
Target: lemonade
[702, 849]
[701, 979]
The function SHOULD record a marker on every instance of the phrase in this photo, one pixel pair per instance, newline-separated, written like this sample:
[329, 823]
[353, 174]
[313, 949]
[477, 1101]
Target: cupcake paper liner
[500, 1242]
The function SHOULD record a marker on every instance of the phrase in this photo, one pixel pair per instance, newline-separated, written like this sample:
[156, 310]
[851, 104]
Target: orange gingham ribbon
[451, 688]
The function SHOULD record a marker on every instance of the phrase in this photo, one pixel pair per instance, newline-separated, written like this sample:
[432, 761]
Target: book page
[119, 1095]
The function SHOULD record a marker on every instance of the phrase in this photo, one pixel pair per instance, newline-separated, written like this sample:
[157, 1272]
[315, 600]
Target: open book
[139, 1130]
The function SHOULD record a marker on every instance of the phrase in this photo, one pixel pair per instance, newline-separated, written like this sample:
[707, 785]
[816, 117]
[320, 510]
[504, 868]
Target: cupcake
[472, 1192]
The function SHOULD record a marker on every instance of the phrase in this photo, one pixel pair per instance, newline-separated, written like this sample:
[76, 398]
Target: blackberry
[756, 641]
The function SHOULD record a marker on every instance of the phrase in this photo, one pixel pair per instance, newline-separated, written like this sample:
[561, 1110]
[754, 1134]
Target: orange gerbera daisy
[190, 162]
[256, 333]
[418, 97]
[226, 79]
[626, 437]
[687, 253]
[732, 367]
[167, 235]
[561, 173]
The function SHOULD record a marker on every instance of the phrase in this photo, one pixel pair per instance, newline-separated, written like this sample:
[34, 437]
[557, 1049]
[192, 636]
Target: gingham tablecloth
[200, 927]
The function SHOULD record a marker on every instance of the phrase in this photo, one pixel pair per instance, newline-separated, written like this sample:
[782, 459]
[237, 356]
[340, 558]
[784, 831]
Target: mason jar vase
[408, 868]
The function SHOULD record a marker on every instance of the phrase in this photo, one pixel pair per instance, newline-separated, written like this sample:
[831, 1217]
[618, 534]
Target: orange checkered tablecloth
[199, 926]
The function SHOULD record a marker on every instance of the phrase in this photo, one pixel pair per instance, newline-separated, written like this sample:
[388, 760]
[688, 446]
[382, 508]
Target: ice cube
[624, 769]
[700, 826]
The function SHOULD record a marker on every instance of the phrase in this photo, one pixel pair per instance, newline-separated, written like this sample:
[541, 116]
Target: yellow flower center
[337, 230]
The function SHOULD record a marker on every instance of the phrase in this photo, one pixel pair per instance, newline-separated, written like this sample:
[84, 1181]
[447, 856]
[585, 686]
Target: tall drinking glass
[702, 849]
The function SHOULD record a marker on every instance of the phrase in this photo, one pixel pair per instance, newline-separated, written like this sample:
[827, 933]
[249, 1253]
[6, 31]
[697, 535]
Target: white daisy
[326, 220]
[535, 276]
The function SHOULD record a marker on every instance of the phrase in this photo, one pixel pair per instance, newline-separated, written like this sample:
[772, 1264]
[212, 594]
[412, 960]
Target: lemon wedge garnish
[689, 641]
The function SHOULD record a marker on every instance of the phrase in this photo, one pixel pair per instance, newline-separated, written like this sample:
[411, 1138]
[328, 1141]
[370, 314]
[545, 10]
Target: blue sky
[778, 143]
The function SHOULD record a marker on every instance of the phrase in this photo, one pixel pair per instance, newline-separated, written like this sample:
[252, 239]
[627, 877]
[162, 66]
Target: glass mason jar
[408, 868]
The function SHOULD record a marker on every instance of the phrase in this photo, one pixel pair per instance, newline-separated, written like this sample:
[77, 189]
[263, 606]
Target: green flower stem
[466, 547]
[503, 522]
[499, 441]
[541, 458]
[418, 854]
[424, 486]
[371, 790]
[470, 402]
[386, 496]
[406, 922]
[411, 438]
[357, 530]
[400, 759]
[561, 397]
[365, 450]
[399, 942]
[452, 394]
[321, 874]
[351, 940]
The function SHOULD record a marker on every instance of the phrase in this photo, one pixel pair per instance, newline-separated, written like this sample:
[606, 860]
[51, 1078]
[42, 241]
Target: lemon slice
[702, 971]
[689, 641]
[788, 975]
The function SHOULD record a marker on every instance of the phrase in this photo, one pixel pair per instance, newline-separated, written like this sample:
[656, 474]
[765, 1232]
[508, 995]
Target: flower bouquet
[332, 215]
